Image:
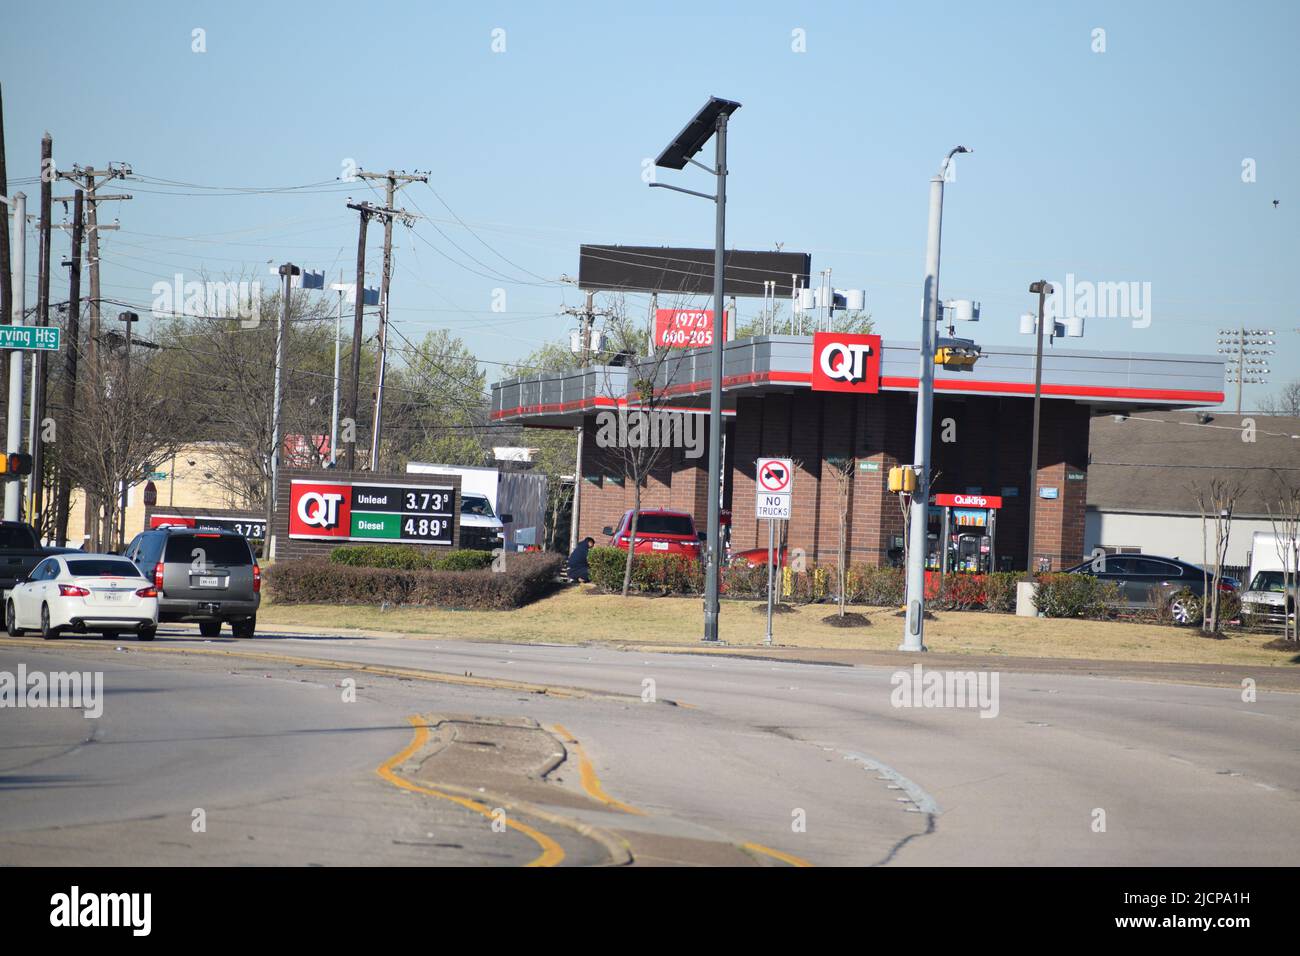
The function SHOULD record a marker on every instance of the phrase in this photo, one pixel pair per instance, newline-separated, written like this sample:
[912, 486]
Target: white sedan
[83, 592]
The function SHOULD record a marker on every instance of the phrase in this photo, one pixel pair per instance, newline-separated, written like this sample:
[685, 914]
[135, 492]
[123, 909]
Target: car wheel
[47, 632]
[11, 621]
[210, 628]
[146, 633]
[1185, 611]
[244, 629]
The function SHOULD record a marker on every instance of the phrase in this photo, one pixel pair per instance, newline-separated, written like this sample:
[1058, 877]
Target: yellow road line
[776, 854]
[378, 669]
[590, 779]
[551, 854]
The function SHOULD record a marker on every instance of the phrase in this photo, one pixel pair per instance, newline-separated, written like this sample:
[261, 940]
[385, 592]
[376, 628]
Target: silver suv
[202, 574]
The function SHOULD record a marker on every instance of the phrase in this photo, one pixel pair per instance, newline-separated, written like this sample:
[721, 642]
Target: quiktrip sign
[846, 362]
[365, 511]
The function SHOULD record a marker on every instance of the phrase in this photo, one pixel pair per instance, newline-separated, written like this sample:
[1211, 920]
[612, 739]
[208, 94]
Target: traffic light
[954, 353]
[902, 479]
[14, 466]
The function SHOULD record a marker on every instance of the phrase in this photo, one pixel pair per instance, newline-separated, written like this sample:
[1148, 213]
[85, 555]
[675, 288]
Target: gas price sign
[415, 514]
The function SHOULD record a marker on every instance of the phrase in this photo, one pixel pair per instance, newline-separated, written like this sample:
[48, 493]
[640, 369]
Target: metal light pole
[709, 122]
[914, 627]
[1042, 287]
[18, 279]
[287, 272]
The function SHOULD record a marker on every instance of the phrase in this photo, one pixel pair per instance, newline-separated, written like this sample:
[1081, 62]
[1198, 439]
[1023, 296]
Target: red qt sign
[320, 509]
[844, 362]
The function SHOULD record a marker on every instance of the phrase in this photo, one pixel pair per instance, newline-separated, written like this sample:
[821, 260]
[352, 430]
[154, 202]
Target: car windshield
[216, 548]
[102, 568]
[1268, 581]
[665, 524]
[477, 506]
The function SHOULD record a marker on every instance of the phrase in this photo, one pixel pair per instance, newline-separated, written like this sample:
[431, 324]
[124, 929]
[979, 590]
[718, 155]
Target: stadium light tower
[709, 122]
[1246, 364]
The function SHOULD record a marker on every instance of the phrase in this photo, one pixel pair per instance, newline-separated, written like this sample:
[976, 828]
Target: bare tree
[841, 471]
[1286, 539]
[1216, 500]
[1286, 402]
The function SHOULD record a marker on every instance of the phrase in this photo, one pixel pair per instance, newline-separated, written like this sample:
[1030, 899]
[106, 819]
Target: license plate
[659, 545]
[114, 595]
[209, 582]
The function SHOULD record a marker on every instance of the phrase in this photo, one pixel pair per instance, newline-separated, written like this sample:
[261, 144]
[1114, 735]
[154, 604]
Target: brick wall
[988, 452]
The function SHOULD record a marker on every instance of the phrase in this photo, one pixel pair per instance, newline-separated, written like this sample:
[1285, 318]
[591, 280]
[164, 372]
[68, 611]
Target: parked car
[83, 593]
[1267, 601]
[206, 575]
[757, 557]
[659, 531]
[21, 551]
[1149, 582]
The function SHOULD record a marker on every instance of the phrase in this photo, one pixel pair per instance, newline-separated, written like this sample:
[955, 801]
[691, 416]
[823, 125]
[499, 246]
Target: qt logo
[846, 363]
[318, 510]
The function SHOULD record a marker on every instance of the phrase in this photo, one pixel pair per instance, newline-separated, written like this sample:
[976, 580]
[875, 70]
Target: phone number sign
[412, 514]
[684, 328]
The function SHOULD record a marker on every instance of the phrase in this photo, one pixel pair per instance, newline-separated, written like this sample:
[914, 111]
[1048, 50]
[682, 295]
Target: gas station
[776, 404]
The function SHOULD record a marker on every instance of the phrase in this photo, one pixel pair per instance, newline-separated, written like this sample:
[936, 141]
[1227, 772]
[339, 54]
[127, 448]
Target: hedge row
[407, 557]
[526, 578]
[865, 585]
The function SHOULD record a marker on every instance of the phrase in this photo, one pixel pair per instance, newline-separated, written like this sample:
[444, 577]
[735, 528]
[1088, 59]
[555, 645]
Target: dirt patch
[776, 609]
[847, 619]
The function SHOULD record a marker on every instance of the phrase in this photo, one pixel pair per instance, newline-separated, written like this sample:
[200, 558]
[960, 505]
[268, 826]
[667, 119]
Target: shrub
[466, 561]
[406, 557]
[879, 587]
[739, 580]
[1000, 591]
[1075, 595]
[312, 580]
[606, 566]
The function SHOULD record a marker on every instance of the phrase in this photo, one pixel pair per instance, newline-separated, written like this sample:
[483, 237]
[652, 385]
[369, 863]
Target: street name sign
[36, 338]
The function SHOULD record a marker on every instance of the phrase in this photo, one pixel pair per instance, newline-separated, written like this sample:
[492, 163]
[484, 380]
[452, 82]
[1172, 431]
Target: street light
[1246, 366]
[710, 120]
[914, 628]
[1042, 288]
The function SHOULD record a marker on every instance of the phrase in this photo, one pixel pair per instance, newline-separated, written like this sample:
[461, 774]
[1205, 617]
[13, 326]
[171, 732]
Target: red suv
[659, 531]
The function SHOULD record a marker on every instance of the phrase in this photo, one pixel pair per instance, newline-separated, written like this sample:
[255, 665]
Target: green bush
[875, 586]
[466, 561]
[606, 566]
[1075, 595]
[312, 581]
[1000, 591]
[406, 557]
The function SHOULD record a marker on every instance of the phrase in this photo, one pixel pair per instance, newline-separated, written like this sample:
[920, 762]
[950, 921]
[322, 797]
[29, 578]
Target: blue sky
[1117, 166]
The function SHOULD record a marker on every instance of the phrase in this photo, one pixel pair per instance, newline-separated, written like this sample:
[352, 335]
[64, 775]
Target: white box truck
[497, 509]
[1266, 598]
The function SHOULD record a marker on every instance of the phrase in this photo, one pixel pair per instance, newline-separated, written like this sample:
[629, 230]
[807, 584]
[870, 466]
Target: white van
[1265, 597]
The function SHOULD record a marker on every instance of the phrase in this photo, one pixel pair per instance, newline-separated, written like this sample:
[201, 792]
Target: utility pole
[63, 504]
[364, 209]
[6, 288]
[1041, 288]
[393, 181]
[92, 181]
[587, 315]
[17, 280]
[36, 486]
[130, 318]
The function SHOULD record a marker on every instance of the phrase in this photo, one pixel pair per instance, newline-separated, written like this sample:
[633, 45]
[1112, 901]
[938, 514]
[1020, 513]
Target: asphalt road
[660, 758]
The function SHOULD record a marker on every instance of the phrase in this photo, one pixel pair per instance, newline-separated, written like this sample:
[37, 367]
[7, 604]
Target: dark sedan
[1148, 582]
